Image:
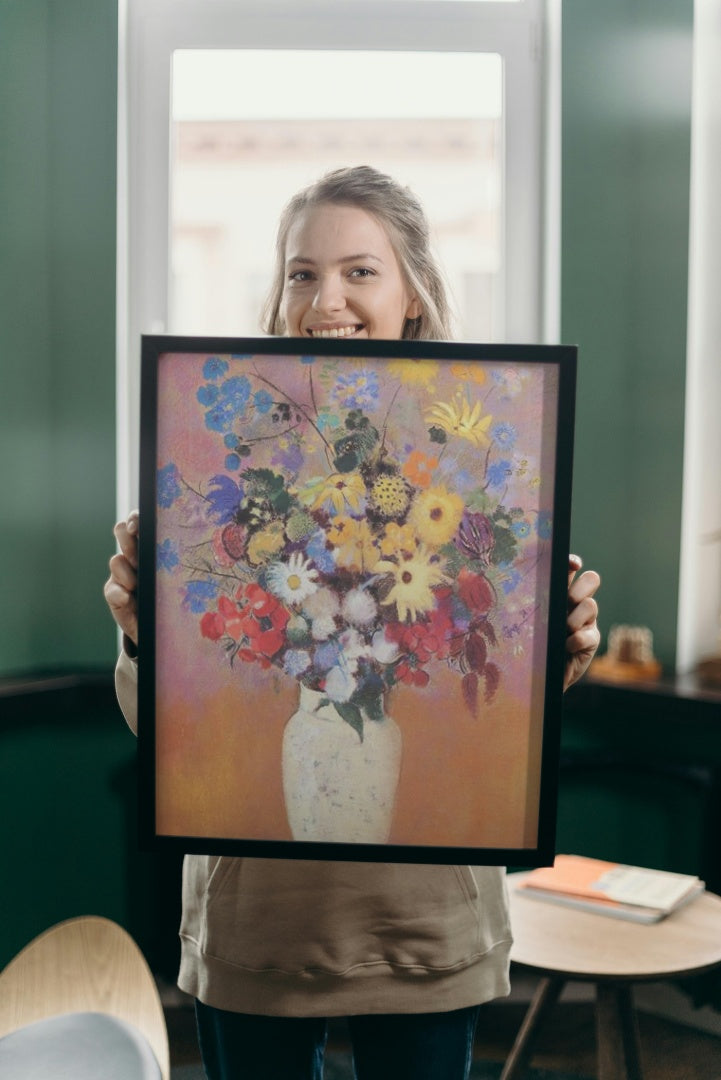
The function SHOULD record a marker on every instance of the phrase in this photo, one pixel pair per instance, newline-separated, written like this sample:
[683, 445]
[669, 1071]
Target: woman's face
[342, 277]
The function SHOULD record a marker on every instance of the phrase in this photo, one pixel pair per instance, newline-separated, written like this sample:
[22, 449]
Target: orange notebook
[631, 892]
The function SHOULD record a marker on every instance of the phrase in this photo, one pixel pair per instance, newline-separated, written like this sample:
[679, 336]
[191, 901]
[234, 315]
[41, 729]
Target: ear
[415, 309]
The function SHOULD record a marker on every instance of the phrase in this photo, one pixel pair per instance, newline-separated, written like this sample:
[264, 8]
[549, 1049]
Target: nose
[329, 295]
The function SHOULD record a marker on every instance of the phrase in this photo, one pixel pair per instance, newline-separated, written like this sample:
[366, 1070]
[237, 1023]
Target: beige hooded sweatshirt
[283, 937]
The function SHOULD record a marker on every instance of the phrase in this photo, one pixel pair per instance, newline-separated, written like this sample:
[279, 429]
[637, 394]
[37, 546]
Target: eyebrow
[361, 257]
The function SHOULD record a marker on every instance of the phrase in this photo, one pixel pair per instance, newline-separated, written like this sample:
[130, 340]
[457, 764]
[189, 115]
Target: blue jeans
[414, 1046]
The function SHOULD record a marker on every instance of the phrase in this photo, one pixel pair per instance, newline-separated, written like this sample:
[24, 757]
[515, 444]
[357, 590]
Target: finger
[583, 641]
[126, 534]
[123, 608]
[584, 613]
[575, 562]
[122, 571]
[585, 585]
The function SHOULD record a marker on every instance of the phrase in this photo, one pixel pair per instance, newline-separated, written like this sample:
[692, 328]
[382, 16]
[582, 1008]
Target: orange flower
[469, 372]
[419, 468]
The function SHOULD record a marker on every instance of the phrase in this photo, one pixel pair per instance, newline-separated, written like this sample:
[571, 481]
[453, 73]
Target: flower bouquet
[360, 523]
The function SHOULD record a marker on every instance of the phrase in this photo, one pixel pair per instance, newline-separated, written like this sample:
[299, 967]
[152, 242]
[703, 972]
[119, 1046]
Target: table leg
[545, 997]
[617, 1033]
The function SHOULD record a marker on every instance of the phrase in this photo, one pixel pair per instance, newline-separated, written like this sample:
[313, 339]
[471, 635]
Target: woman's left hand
[583, 636]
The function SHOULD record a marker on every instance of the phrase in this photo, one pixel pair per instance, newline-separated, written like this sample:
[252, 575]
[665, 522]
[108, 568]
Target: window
[232, 104]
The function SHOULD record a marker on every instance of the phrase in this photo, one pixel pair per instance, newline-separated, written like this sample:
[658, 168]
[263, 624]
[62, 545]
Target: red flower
[475, 591]
[212, 625]
[263, 620]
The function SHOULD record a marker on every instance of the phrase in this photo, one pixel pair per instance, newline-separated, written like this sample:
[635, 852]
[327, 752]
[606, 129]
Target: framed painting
[352, 597]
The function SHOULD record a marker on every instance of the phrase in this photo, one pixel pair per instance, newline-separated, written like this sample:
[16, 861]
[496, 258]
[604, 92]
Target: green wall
[625, 201]
[58, 72]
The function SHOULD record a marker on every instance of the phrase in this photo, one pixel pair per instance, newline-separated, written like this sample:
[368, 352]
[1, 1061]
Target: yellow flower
[266, 543]
[458, 418]
[435, 515]
[389, 495]
[413, 372]
[414, 579]
[354, 544]
[341, 490]
[469, 372]
[397, 539]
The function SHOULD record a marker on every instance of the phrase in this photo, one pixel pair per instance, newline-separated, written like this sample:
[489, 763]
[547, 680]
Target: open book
[608, 888]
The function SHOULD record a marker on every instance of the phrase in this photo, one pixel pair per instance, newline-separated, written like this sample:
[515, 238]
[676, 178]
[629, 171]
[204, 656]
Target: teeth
[336, 332]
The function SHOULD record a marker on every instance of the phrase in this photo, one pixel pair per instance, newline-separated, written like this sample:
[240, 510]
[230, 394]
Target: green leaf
[505, 547]
[371, 702]
[352, 715]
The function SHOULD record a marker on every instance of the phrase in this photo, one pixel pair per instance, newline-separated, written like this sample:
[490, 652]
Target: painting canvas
[353, 573]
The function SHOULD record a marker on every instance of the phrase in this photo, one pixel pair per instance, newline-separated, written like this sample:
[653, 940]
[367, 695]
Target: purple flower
[475, 536]
[224, 498]
[289, 460]
[169, 488]
[359, 390]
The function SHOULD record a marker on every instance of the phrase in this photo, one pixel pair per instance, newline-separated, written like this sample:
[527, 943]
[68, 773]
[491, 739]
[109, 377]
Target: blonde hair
[403, 217]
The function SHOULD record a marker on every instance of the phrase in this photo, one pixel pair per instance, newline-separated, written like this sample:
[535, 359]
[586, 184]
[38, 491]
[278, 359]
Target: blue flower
[232, 462]
[499, 472]
[167, 555]
[198, 595]
[544, 525]
[521, 529]
[263, 401]
[327, 655]
[214, 367]
[307, 359]
[510, 581]
[319, 554]
[504, 435]
[224, 498]
[230, 440]
[358, 390]
[327, 419]
[207, 395]
[232, 398]
[169, 488]
[296, 661]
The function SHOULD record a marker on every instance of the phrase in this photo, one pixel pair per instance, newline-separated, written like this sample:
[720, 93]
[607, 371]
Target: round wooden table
[562, 944]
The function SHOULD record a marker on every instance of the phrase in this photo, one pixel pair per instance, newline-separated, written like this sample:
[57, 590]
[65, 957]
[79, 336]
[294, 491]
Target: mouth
[334, 331]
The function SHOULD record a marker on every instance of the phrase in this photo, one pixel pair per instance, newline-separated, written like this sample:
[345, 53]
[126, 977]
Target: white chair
[80, 1002]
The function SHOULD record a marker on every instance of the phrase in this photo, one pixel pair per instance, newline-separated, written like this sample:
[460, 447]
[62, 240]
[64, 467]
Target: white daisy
[292, 581]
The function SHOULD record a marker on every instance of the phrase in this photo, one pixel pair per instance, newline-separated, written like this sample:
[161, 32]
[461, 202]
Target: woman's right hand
[121, 587]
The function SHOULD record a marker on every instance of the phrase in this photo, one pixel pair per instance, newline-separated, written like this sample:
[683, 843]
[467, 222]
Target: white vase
[337, 787]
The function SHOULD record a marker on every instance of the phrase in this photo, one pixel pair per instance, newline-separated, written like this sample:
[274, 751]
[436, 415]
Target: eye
[300, 276]
[362, 272]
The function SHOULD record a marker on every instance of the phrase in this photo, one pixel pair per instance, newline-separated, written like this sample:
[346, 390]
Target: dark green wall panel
[58, 77]
[626, 146]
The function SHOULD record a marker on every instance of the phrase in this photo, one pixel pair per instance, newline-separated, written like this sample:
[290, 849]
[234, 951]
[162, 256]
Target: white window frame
[526, 34]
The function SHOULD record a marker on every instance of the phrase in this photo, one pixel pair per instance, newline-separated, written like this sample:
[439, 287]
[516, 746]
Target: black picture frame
[258, 576]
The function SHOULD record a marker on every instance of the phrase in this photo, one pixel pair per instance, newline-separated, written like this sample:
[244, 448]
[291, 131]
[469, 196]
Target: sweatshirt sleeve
[126, 688]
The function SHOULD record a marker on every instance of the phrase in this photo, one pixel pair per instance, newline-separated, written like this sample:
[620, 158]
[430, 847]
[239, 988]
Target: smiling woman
[353, 259]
